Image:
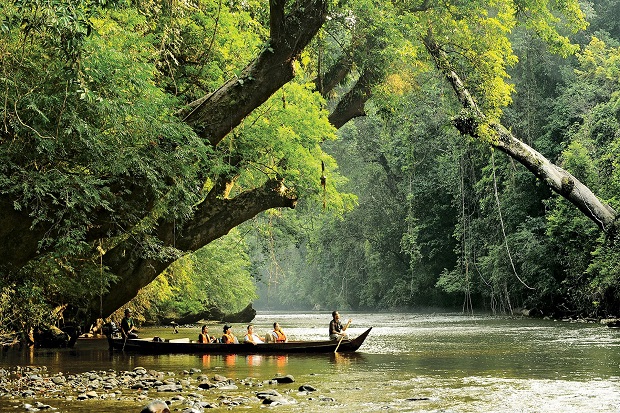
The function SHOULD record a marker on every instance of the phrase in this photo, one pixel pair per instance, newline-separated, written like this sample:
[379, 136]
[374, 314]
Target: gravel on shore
[188, 391]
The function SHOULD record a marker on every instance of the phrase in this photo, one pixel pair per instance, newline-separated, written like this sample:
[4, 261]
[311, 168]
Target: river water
[409, 363]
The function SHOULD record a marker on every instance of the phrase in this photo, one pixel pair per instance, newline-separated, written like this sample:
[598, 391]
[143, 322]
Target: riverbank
[410, 362]
[31, 388]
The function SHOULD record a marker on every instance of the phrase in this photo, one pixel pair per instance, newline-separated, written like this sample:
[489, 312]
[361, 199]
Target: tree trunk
[325, 83]
[215, 115]
[20, 242]
[214, 218]
[352, 103]
[559, 180]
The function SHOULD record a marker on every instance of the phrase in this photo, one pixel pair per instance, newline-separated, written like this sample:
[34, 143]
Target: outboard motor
[110, 330]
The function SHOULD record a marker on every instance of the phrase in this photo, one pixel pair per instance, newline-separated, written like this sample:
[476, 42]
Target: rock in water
[244, 316]
[51, 337]
[284, 379]
[156, 406]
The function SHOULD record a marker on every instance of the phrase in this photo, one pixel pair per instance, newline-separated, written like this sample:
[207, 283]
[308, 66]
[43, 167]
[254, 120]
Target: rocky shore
[33, 389]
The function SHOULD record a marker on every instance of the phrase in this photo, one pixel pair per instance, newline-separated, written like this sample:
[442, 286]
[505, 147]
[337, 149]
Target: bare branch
[558, 179]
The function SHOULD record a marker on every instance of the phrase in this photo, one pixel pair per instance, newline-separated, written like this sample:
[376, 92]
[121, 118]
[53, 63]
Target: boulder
[207, 385]
[531, 312]
[212, 314]
[244, 316]
[263, 394]
[277, 400]
[284, 379]
[51, 337]
[307, 387]
[156, 406]
[170, 388]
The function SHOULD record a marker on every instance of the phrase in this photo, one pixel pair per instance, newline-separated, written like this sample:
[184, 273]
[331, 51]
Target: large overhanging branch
[325, 83]
[558, 179]
[352, 103]
[216, 114]
[217, 218]
[214, 218]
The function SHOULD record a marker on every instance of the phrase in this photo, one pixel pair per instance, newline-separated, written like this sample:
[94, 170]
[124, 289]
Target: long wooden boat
[184, 345]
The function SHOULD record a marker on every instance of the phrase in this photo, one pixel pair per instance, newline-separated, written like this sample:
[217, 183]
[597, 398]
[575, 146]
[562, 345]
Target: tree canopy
[136, 133]
[474, 228]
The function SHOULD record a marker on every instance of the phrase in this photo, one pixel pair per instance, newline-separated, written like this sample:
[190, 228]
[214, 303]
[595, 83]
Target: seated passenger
[277, 335]
[204, 337]
[128, 328]
[229, 337]
[252, 337]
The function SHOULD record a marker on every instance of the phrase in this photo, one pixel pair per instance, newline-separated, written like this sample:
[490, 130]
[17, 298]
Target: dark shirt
[126, 325]
[335, 327]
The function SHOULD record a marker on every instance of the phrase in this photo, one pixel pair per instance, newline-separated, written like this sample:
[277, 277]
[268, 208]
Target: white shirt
[253, 338]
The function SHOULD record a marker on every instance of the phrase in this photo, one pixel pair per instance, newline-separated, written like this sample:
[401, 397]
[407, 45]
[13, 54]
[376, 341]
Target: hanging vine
[501, 221]
[465, 244]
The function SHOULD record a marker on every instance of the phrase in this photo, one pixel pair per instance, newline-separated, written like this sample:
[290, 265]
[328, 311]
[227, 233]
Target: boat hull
[186, 347]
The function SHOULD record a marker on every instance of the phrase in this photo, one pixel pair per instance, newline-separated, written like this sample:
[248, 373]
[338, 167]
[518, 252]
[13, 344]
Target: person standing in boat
[229, 337]
[277, 334]
[336, 330]
[252, 337]
[128, 327]
[204, 337]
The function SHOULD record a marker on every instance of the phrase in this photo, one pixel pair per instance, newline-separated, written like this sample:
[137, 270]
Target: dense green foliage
[107, 175]
[83, 134]
[94, 152]
[444, 222]
[215, 276]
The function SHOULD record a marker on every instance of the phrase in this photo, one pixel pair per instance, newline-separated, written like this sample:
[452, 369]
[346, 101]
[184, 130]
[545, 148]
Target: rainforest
[174, 156]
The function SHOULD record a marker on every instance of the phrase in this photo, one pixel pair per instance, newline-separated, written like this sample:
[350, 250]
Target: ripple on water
[409, 363]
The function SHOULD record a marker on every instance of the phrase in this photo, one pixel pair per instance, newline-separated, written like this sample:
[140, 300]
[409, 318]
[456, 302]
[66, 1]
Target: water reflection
[346, 358]
[279, 360]
[206, 360]
[254, 359]
[230, 360]
[410, 362]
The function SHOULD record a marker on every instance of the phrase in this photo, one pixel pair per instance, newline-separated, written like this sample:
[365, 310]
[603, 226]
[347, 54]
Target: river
[410, 362]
